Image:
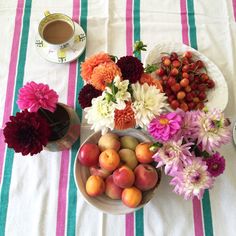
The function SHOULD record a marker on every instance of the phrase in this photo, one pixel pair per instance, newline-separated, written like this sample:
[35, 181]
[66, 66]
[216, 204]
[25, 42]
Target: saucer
[66, 54]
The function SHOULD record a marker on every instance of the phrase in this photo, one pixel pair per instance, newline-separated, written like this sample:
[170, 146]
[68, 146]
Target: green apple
[129, 142]
[128, 157]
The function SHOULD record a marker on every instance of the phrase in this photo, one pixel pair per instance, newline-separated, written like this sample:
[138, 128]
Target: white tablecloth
[38, 194]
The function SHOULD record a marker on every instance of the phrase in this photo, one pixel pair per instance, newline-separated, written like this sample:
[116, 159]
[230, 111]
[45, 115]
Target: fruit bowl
[104, 203]
[218, 96]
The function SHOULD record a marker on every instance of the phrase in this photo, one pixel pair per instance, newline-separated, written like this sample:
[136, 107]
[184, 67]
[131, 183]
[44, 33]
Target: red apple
[112, 190]
[145, 177]
[123, 177]
[89, 154]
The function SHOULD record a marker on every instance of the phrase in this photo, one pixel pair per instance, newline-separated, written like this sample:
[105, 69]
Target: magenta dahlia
[216, 164]
[34, 96]
[165, 126]
[131, 68]
[27, 132]
[87, 93]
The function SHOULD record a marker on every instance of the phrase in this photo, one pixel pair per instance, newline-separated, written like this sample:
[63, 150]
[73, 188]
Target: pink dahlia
[131, 68]
[192, 180]
[165, 126]
[189, 125]
[216, 164]
[27, 132]
[173, 155]
[212, 130]
[34, 96]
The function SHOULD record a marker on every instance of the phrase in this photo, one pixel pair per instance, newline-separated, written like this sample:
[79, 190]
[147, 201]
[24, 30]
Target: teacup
[57, 30]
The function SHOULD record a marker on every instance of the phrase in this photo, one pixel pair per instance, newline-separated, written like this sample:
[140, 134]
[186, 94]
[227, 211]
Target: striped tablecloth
[38, 194]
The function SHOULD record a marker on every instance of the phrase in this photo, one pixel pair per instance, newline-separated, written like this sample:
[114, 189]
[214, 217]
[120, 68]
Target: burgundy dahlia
[27, 132]
[131, 68]
[216, 164]
[87, 93]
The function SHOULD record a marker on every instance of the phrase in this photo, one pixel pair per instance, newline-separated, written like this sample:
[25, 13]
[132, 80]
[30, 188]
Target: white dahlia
[101, 114]
[148, 103]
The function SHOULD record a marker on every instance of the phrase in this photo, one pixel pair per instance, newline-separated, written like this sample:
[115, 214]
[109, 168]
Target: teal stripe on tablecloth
[139, 220]
[10, 152]
[136, 16]
[206, 204]
[192, 25]
[72, 198]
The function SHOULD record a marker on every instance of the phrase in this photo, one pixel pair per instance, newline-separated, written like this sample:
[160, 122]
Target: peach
[131, 197]
[95, 186]
[109, 159]
[145, 177]
[128, 157]
[109, 141]
[129, 142]
[112, 190]
[123, 177]
[143, 153]
[96, 170]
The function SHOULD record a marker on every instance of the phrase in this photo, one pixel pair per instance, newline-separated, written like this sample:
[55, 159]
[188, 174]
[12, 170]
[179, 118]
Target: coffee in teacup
[57, 32]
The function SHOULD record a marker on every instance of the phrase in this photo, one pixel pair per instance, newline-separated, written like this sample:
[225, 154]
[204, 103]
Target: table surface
[38, 194]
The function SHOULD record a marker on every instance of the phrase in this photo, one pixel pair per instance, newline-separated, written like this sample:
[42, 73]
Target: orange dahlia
[147, 78]
[90, 63]
[125, 119]
[103, 74]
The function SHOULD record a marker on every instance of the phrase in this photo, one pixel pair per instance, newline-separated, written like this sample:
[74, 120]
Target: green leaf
[150, 68]
[138, 47]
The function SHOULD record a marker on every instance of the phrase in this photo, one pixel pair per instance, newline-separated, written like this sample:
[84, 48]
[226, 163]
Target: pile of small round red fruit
[184, 81]
[120, 167]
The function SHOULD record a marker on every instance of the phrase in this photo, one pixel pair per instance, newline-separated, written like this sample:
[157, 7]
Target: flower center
[195, 177]
[39, 94]
[164, 121]
[215, 166]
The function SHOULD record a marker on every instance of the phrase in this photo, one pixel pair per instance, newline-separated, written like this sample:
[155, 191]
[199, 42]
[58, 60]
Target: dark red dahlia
[131, 68]
[216, 164]
[27, 132]
[87, 93]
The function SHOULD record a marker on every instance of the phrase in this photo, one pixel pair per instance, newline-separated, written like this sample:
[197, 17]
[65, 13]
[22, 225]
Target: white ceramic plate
[66, 55]
[218, 96]
[234, 133]
[103, 203]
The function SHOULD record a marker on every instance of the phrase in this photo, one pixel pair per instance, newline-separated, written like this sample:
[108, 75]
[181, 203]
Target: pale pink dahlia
[174, 155]
[189, 125]
[216, 164]
[165, 126]
[192, 180]
[212, 131]
[34, 96]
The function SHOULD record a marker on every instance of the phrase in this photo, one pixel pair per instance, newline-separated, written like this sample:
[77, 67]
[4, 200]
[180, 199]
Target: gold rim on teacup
[49, 18]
